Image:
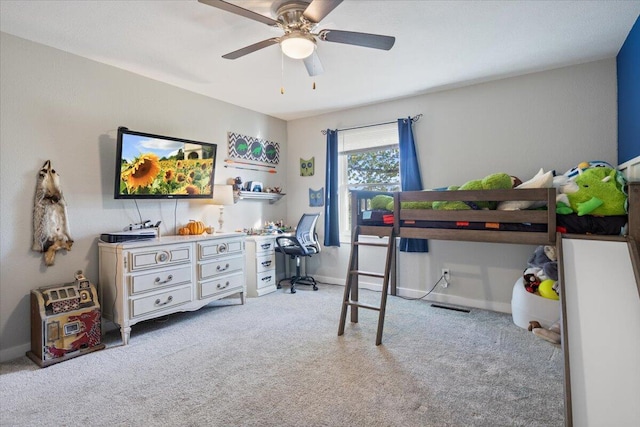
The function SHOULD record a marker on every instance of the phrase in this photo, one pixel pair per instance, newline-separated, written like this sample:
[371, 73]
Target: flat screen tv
[162, 167]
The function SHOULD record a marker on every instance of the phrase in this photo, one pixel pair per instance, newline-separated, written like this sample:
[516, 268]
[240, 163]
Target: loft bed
[527, 226]
[537, 227]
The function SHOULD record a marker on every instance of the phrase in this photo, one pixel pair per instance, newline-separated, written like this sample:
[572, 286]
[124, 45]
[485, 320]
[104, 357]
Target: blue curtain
[410, 179]
[331, 214]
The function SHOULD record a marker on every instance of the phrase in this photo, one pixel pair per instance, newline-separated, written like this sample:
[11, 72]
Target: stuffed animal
[50, 224]
[496, 181]
[544, 259]
[552, 334]
[596, 190]
[542, 268]
[531, 279]
[382, 202]
[583, 166]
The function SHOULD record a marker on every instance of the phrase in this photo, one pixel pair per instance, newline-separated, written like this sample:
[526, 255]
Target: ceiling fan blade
[313, 64]
[240, 11]
[318, 9]
[374, 41]
[249, 49]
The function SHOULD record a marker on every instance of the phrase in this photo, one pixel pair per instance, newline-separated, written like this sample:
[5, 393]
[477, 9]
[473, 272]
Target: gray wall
[67, 109]
[552, 119]
[61, 107]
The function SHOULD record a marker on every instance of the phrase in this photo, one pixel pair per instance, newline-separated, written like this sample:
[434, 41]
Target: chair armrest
[294, 242]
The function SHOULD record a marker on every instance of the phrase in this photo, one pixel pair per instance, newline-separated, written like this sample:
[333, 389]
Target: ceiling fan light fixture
[297, 45]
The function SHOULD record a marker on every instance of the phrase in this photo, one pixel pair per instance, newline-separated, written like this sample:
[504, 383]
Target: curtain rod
[413, 119]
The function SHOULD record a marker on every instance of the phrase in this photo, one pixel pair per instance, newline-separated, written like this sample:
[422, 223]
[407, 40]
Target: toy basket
[526, 307]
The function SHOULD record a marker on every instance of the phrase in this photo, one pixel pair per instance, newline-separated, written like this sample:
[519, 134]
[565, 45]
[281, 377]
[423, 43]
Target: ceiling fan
[299, 19]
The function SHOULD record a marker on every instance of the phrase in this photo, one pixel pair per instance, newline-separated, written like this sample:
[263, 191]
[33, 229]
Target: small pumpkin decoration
[209, 230]
[184, 231]
[196, 227]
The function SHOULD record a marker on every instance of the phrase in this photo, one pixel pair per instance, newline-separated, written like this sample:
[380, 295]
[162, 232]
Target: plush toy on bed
[541, 179]
[595, 190]
[496, 181]
[382, 202]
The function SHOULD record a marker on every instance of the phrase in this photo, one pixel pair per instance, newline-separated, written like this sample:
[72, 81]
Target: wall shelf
[255, 195]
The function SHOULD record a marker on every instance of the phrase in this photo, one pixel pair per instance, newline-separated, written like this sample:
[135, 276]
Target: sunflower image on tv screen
[153, 166]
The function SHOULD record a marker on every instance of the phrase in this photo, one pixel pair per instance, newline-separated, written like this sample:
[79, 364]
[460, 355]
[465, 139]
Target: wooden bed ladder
[351, 287]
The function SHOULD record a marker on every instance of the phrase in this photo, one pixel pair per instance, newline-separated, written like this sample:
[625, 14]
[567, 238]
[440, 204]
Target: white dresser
[261, 265]
[147, 279]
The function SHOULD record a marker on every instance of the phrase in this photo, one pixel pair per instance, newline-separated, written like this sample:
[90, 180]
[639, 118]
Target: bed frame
[545, 217]
[361, 200]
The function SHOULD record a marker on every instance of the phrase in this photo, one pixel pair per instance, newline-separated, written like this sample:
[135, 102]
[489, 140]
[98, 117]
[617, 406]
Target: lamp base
[220, 220]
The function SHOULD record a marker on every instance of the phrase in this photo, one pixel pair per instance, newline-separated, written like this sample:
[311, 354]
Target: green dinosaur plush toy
[596, 191]
[496, 181]
[382, 201]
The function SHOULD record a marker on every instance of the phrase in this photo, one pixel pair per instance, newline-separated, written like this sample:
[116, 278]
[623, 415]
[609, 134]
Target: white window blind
[364, 139]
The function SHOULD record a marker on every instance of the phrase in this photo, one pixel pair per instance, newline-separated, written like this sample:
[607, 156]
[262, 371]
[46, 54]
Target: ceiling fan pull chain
[314, 70]
[281, 73]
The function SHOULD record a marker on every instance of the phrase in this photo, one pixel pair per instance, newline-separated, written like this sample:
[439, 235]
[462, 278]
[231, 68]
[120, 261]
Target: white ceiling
[439, 44]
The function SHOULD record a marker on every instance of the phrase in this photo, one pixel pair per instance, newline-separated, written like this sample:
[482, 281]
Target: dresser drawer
[265, 246]
[220, 266]
[214, 248]
[221, 284]
[265, 262]
[267, 278]
[159, 279]
[169, 298]
[167, 255]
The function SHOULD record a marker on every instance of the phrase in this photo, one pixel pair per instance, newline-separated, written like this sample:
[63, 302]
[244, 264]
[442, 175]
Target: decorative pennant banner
[253, 149]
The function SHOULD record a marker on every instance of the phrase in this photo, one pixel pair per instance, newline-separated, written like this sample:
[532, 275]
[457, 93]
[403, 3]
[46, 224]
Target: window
[369, 159]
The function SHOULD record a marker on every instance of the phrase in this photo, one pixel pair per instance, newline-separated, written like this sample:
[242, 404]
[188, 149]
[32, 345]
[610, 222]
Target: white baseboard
[14, 352]
[433, 297]
[499, 307]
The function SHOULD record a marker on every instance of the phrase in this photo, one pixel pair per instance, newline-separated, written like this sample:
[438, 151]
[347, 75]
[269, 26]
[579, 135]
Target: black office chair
[304, 243]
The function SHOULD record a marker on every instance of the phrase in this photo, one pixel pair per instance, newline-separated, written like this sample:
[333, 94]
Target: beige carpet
[277, 361]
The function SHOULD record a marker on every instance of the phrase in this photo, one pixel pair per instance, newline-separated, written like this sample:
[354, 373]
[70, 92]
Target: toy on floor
[542, 268]
[547, 289]
[552, 334]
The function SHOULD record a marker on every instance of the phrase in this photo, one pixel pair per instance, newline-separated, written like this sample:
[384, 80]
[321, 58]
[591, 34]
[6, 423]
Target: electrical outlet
[446, 278]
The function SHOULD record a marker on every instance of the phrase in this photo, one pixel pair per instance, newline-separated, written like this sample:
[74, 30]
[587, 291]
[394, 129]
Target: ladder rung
[362, 305]
[382, 245]
[367, 273]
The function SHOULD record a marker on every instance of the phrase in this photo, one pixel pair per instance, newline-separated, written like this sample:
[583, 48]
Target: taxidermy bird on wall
[50, 225]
